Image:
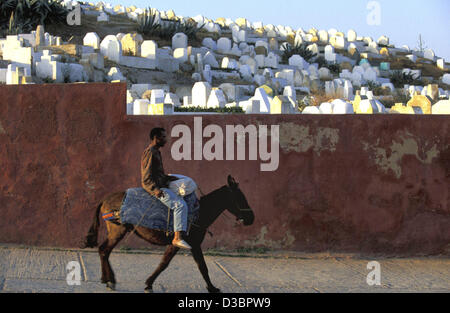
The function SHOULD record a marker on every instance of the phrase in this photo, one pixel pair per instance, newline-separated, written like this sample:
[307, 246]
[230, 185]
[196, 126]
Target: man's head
[158, 136]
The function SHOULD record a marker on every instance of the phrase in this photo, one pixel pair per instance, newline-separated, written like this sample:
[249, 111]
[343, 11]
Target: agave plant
[25, 15]
[301, 49]
[399, 79]
[148, 23]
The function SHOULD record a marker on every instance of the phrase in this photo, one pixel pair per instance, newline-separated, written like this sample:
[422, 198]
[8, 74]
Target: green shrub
[399, 79]
[149, 26]
[301, 50]
[20, 16]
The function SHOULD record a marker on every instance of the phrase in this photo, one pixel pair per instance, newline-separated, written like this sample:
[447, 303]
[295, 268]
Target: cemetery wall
[350, 183]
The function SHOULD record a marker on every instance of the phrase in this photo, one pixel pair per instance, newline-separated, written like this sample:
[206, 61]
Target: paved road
[44, 270]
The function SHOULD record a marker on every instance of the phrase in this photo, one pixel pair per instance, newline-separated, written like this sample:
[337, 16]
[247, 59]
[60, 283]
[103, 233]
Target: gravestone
[351, 35]
[263, 98]
[40, 36]
[92, 40]
[200, 94]
[131, 44]
[148, 49]
[216, 99]
[423, 102]
[179, 40]
[111, 48]
[442, 107]
[224, 45]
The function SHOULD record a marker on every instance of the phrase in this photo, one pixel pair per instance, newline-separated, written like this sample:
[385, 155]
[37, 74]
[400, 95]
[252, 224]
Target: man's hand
[159, 194]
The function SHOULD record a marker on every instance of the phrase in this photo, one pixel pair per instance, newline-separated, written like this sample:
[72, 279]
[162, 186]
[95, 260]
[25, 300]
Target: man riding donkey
[156, 183]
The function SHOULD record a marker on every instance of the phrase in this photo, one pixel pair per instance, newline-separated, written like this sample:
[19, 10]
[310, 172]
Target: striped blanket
[140, 208]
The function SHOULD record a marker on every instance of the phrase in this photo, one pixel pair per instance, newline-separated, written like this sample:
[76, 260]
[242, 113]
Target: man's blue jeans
[179, 207]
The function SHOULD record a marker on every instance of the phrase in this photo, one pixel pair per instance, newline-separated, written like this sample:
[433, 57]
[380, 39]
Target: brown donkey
[229, 197]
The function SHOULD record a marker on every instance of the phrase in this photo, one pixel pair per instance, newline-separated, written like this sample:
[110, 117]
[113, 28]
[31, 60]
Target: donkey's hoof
[111, 286]
[148, 290]
[213, 289]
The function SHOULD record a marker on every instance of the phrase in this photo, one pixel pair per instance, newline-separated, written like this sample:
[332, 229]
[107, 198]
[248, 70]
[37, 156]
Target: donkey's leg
[200, 260]
[168, 256]
[115, 235]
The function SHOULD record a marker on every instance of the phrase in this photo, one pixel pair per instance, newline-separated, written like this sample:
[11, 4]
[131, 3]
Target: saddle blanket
[139, 208]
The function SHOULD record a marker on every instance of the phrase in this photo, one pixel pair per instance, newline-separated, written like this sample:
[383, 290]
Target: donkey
[229, 197]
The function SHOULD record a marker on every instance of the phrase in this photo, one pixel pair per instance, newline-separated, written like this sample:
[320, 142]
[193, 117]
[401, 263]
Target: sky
[401, 20]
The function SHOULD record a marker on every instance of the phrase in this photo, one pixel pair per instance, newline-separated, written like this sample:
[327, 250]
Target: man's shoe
[181, 244]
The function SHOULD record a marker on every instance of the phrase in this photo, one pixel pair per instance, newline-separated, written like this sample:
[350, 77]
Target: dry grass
[320, 97]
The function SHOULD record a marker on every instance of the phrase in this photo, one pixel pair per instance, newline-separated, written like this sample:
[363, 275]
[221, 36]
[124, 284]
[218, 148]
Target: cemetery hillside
[178, 64]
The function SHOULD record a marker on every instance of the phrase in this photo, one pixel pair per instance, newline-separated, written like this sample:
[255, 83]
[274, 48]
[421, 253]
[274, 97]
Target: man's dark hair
[156, 132]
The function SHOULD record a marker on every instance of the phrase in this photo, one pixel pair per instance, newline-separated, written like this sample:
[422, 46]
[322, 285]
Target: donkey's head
[238, 204]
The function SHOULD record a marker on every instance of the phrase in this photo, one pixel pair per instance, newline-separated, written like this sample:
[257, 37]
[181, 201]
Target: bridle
[234, 202]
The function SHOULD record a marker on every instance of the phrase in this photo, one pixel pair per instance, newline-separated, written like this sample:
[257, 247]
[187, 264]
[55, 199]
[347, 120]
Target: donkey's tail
[92, 236]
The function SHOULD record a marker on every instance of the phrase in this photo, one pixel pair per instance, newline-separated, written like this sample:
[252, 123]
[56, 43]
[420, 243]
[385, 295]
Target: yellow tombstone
[423, 102]
[268, 90]
[384, 51]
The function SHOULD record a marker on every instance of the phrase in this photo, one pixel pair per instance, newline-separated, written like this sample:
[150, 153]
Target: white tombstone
[264, 100]
[271, 61]
[330, 55]
[111, 47]
[323, 36]
[141, 107]
[441, 64]
[289, 92]
[173, 99]
[115, 74]
[326, 108]
[429, 54]
[351, 35]
[103, 17]
[210, 59]
[224, 45]
[216, 99]
[229, 63]
[92, 39]
[48, 67]
[370, 75]
[330, 89]
[179, 40]
[342, 107]
[412, 58]
[383, 40]
[338, 42]
[148, 49]
[252, 107]
[181, 54]
[446, 79]
[297, 61]
[157, 96]
[200, 94]
[209, 43]
[348, 91]
[442, 107]
[311, 110]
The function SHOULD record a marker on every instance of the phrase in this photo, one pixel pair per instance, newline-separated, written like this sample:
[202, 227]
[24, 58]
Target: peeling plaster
[406, 145]
[298, 138]
[261, 240]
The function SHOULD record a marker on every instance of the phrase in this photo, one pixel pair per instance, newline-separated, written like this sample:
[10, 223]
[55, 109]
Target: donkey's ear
[231, 182]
